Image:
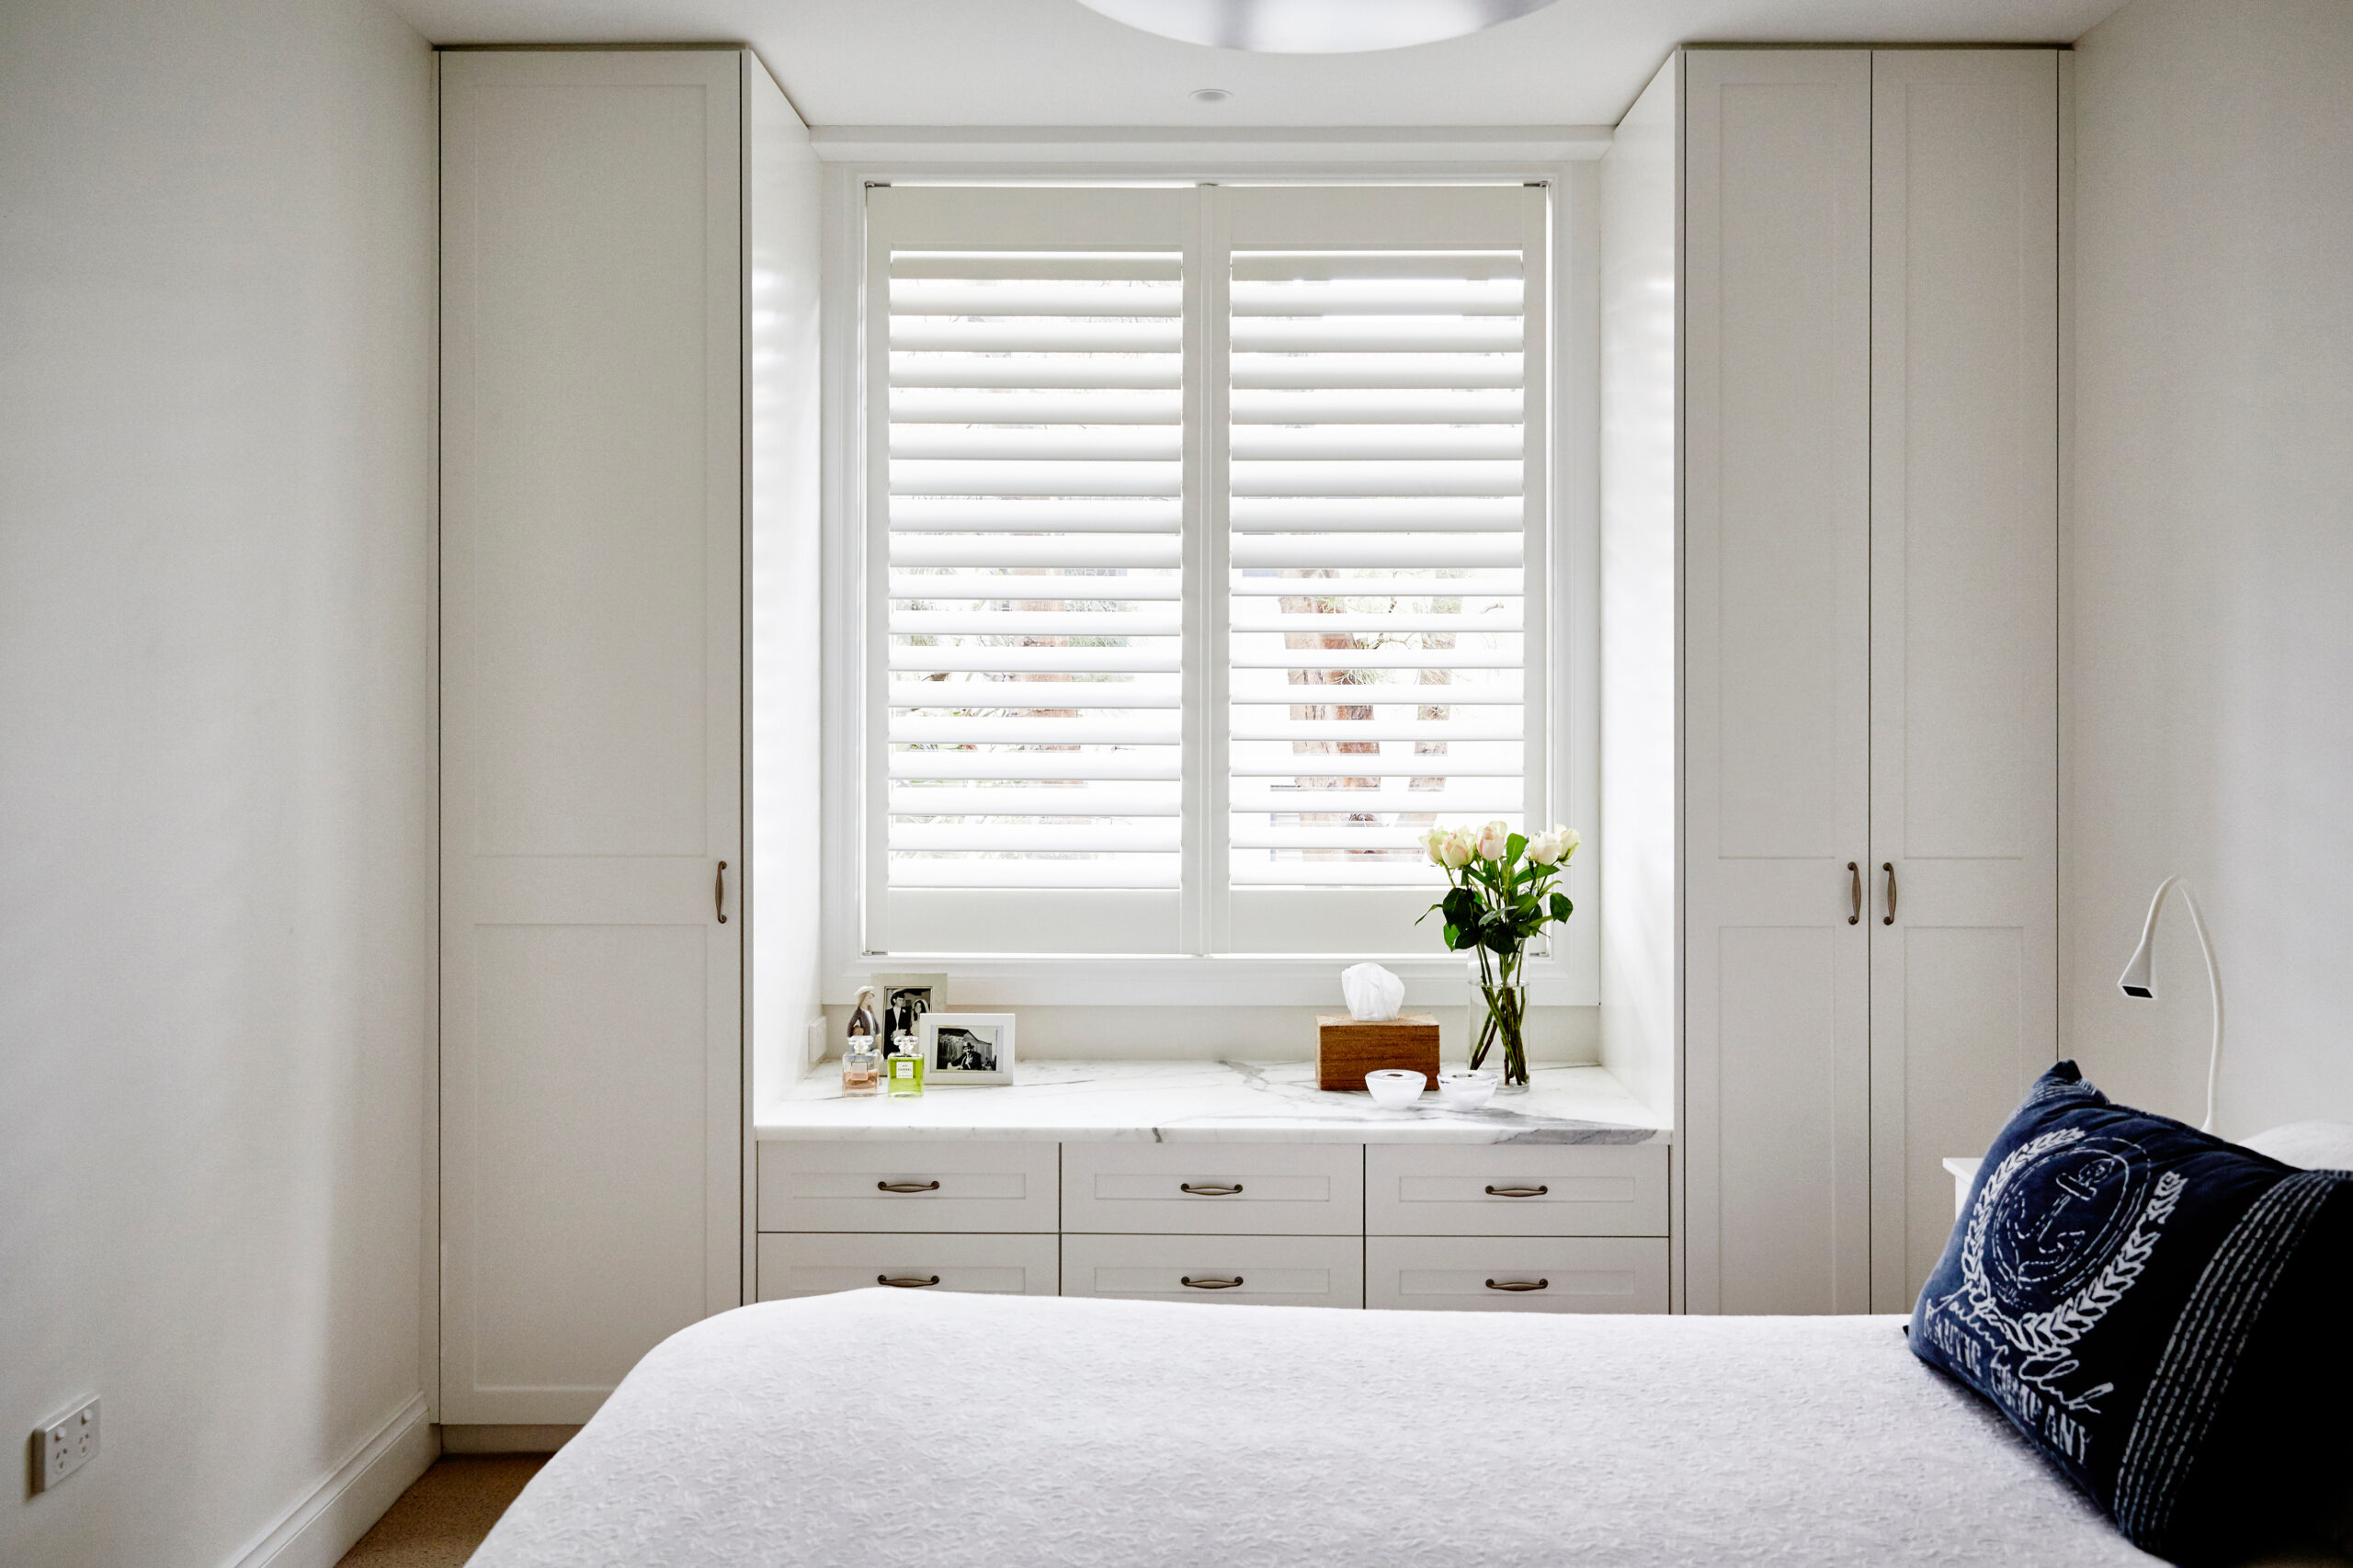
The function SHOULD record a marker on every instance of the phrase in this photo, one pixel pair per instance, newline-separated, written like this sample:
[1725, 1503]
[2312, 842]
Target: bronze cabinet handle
[906, 1187]
[1210, 1189]
[1889, 867]
[1517, 1284]
[1191, 1283]
[1854, 894]
[906, 1281]
[719, 893]
[1517, 1191]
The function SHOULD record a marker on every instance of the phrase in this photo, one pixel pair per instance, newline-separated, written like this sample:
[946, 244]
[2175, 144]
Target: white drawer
[1574, 1274]
[1296, 1271]
[1516, 1190]
[969, 1185]
[1253, 1189]
[818, 1265]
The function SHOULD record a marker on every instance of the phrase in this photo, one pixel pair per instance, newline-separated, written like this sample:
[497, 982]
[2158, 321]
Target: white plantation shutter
[1031, 603]
[1378, 516]
[1054, 764]
[1383, 627]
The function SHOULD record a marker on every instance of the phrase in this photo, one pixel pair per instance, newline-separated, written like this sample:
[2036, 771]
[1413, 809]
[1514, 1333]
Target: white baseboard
[323, 1525]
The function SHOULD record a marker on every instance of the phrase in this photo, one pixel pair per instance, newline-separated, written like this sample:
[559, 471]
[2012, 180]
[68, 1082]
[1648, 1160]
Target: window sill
[1143, 981]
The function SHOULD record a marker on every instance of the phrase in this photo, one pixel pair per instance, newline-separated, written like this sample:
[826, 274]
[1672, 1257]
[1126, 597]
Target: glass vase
[1499, 1017]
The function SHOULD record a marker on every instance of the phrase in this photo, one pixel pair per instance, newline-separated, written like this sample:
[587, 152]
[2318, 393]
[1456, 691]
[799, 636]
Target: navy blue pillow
[2162, 1313]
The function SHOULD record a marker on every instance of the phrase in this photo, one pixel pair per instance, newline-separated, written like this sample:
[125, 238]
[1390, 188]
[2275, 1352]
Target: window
[1205, 560]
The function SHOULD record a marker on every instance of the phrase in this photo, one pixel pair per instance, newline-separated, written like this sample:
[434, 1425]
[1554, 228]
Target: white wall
[216, 689]
[784, 218]
[2212, 551]
[1641, 595]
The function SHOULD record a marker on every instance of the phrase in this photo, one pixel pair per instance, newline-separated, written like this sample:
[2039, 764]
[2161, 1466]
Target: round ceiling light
[1313, 26]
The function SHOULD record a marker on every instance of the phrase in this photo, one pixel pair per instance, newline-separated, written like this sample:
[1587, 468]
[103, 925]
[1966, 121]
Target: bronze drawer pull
[1889, 867]
[1210, 1284]
[719, 893]
[906, 1187]
[1854, 894]
[906, 1281]
[1517, 1191]
[1210, 1189]
[1517, 1285]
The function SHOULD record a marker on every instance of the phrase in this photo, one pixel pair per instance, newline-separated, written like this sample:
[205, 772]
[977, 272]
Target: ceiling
[1055, 62]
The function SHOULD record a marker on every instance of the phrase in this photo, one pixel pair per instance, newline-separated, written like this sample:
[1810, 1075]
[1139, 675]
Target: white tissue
[1375, 995]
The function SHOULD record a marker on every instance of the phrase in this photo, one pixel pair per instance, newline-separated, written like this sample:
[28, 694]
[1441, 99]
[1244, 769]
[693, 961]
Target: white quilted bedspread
[885, 1427]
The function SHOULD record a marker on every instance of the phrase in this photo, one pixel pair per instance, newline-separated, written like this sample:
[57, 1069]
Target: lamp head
[2136, 980]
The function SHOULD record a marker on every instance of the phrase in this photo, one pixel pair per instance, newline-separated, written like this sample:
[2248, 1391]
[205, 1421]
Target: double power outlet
[65, 1445]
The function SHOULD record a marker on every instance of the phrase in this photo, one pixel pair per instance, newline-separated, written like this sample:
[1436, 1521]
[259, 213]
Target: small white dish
[1466, 1091]
[1395, 1087]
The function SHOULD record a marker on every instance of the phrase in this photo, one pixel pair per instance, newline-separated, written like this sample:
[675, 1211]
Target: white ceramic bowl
[1466, 1091]
[1395, 1087]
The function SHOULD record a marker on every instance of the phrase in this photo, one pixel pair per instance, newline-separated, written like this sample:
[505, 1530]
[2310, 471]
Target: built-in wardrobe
[1831, 297]
[628, 383]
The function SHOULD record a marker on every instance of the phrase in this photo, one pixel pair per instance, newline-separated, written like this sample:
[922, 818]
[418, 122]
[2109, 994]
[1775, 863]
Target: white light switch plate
[68, 1443]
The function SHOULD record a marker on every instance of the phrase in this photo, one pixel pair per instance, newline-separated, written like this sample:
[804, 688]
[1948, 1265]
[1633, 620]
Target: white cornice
[1161, 145]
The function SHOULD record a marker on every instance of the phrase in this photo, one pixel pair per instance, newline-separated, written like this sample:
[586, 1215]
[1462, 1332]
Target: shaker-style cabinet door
[592, 523]
[1963, 915]
[1776, 405]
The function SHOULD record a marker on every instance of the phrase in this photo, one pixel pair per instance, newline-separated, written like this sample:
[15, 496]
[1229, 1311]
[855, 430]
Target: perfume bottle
[862, 1056]
[861, 1066]
[903, 1069]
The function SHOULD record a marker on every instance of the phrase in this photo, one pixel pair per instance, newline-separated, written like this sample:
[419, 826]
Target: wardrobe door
[592, 766]
[1776, 408]
[1964, 622]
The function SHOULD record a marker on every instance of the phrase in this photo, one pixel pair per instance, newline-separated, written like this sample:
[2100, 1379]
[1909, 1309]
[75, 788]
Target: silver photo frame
[967, 1048]
[901, 1000]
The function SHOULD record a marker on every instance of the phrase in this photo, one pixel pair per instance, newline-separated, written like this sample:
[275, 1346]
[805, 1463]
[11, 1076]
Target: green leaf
[1515, 845]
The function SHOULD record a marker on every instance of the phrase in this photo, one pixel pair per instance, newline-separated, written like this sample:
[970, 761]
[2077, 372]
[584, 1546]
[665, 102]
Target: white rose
[1433, 846]
[1567, 837]
[1544, 848]
[1494, 839]
[1457, 850]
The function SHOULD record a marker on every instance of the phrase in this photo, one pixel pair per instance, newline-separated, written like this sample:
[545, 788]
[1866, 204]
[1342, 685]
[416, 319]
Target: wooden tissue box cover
[1347, 1049]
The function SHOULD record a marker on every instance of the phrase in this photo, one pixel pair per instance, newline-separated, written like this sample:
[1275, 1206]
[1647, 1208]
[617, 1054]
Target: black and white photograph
[968, 1048]
[903, 999]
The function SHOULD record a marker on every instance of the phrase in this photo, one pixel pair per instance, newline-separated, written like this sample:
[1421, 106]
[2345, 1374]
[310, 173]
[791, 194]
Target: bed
[879, 1428]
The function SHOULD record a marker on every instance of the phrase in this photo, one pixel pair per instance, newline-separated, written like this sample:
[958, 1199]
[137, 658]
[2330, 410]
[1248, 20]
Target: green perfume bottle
[903, 1069]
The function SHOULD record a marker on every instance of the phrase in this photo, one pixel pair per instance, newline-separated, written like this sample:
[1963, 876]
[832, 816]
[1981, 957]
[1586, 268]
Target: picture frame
[967, 1048]
[912, 996]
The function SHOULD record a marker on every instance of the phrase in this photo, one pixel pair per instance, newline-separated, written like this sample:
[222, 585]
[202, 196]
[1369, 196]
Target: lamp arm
[2138, 980]
[2214, 984]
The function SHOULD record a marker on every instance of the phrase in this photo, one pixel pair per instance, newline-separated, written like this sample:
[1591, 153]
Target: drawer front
[818, 1265]
[1570, 1274]
[1295, 1271]
[1516, 1190]
[1235, 1190]
[971, 1184]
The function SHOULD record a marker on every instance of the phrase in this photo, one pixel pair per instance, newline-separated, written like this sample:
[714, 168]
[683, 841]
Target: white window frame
[1569, 975]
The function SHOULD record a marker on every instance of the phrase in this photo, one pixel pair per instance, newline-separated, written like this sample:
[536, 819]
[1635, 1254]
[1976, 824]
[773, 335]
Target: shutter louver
[1034, 588]
[1376, 521]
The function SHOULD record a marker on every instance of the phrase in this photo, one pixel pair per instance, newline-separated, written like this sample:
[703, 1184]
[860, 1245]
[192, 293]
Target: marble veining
[1170, 1102]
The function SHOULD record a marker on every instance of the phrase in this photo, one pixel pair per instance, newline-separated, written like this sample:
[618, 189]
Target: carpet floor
[439, 1521]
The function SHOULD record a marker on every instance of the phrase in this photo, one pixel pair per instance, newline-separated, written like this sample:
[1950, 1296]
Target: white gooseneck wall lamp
[2136, 981]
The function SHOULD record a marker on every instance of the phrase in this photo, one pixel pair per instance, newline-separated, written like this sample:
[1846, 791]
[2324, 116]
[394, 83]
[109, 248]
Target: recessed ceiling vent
[1313, 26]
